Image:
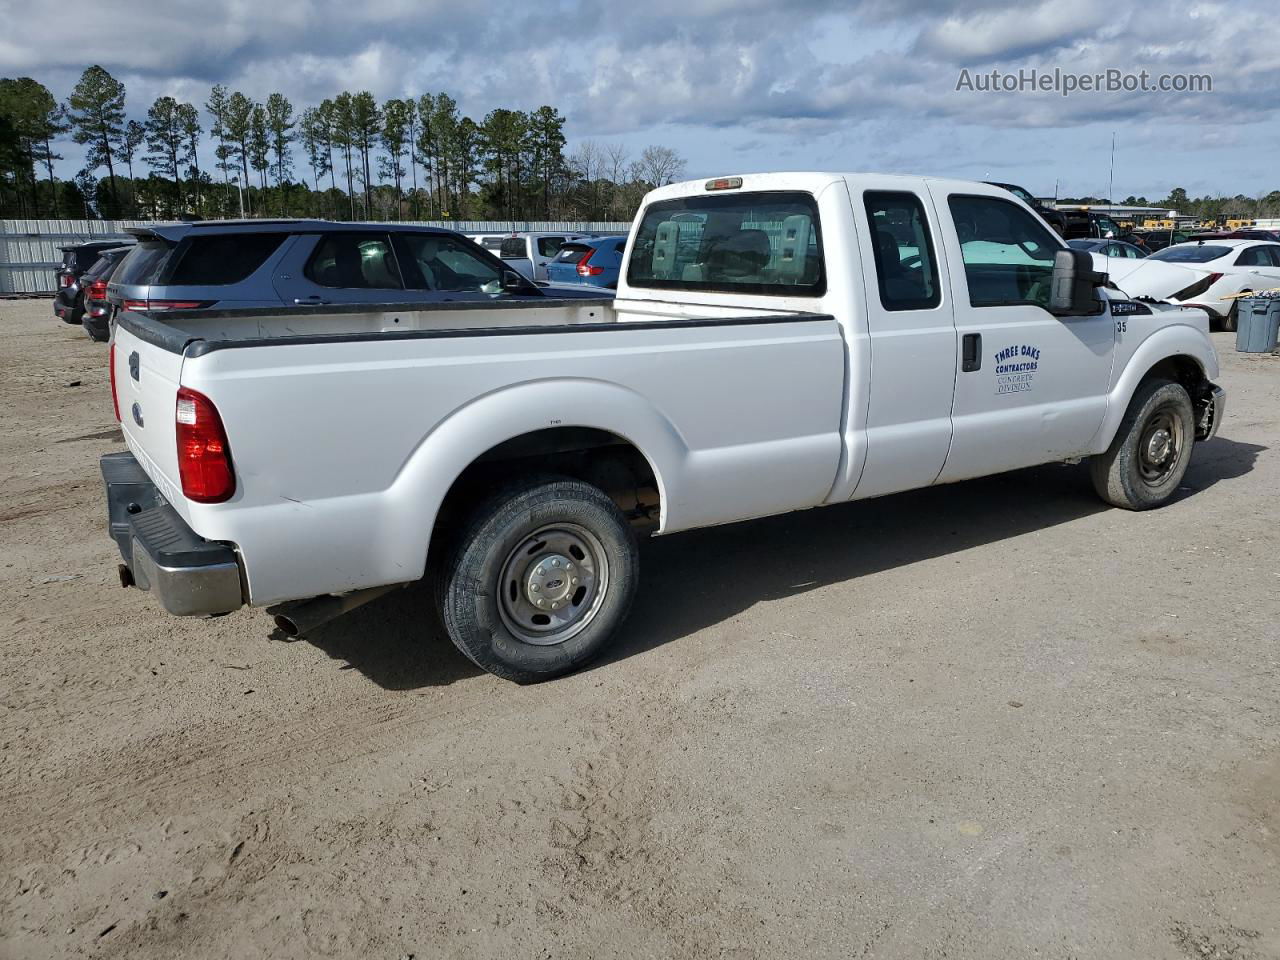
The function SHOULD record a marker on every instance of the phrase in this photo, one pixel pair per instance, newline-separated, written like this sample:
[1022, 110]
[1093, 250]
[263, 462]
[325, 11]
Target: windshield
[767, 243]
[1199, 253]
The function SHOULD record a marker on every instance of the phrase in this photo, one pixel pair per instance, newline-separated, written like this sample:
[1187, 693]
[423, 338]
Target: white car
[1220, 268]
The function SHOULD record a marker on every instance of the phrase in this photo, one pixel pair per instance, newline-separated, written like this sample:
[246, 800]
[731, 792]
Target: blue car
[594, 261]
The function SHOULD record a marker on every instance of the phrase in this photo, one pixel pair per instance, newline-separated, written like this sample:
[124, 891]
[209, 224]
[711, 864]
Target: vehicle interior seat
[740, 256]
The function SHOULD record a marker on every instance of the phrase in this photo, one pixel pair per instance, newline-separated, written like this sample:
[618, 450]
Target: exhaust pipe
[300, 617]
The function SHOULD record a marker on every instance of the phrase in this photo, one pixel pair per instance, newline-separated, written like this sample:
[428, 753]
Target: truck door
[1030, 387]
[913, 342]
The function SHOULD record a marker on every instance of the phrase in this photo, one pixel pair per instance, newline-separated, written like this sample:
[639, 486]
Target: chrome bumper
[192, 577]
[1210, 411]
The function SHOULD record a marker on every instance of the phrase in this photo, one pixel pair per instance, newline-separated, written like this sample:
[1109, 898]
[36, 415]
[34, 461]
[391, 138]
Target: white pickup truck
[778, 342]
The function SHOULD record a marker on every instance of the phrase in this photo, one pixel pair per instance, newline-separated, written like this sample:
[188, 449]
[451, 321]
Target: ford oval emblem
[137, 414]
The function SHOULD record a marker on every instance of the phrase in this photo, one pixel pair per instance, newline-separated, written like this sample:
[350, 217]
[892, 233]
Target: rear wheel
[1232, 319]
[540, 579]
[1149, 455]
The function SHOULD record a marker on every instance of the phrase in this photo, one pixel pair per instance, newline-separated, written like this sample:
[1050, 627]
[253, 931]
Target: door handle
[971, 352]
[313, 299]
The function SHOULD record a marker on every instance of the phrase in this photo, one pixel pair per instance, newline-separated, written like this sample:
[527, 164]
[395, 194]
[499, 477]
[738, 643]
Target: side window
[1250, 257]
[224, 258]
[439, 262]
[1275, 255]
[905, 264]
[1008, 255]
[362, 261]
[548, 246]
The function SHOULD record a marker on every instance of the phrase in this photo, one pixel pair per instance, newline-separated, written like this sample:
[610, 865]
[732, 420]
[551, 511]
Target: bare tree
[660, 165]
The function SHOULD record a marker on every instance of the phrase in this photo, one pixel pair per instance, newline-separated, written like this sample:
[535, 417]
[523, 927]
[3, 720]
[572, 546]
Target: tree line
[348, 157]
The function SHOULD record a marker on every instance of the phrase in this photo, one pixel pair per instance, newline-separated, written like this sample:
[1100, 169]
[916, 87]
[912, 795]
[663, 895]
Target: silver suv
[270, 263]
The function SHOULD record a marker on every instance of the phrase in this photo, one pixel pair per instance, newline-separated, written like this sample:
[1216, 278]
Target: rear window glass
[767, 243]
[491, 243]
[143, 264]
[572, 252]
[220, 259]
[1197, 254]
[514, 248]
[547, 246]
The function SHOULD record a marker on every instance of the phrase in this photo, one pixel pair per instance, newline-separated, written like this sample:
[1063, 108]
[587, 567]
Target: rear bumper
[191, 577]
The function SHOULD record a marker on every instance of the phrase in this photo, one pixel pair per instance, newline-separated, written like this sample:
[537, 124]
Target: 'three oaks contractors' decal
[1016, 368]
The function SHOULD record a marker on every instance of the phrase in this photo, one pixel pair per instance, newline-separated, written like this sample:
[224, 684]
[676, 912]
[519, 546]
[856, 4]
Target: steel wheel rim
[553, 584]
[1160, 447]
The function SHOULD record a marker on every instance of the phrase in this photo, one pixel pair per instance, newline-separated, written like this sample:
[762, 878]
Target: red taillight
[204, 457]
[64, 280]
[585, 269]
[148, 305]
[111, 370]
[96, 290]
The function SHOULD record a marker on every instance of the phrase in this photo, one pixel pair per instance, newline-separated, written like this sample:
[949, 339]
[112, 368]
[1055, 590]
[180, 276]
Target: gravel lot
[989, 720]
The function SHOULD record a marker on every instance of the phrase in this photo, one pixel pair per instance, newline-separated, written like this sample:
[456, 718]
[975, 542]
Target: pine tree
[97, 120]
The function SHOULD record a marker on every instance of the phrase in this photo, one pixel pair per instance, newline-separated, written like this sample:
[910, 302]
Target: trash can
[1258, 324]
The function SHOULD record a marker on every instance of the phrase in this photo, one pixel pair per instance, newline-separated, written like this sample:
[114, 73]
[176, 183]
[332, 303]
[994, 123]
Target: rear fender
[458, 440]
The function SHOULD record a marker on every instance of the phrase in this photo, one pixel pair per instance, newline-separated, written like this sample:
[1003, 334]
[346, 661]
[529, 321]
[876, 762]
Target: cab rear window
[761, 243]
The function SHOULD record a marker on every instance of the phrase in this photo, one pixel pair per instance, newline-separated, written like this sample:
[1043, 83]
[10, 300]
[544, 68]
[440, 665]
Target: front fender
[1171, 340]
[466, 433]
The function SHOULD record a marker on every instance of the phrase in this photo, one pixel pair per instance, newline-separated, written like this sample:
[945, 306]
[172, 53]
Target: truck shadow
[696, 579]
[396, 641]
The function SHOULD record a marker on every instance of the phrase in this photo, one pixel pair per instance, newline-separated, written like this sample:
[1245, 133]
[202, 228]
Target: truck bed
[176, 330]
[347, 427]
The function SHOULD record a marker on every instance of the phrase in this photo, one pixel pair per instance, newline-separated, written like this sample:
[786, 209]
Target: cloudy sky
[737, 85]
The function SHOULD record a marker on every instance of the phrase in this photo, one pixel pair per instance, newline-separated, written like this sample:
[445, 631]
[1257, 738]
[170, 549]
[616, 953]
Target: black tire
[498, 550]
[1232, 320]
[1132, 473]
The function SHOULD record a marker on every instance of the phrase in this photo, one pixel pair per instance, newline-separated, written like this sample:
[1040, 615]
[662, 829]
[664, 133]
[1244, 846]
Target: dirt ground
[981, 721]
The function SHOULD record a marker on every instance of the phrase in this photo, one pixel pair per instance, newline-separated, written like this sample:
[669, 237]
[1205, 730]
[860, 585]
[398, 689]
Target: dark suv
[68, 301]
[268, 263]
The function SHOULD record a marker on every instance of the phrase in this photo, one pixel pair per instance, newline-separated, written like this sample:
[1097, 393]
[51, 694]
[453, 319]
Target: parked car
[799, 353]
[270, 263]
[1109, 248]
[97, 311]
[596, 261]
[490, 241]
[1054, 218]
[1154, 240]
[1218, 271]
[529, 253]
[68, 300]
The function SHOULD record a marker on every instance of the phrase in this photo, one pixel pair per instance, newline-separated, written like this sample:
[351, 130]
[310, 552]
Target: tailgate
[147, 379]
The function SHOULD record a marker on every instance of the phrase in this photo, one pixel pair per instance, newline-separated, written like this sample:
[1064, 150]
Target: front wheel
[540, 580]
[1149, 455]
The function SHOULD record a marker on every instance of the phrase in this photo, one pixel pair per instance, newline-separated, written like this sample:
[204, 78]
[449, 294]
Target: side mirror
[1073, 293]
[513, 282]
